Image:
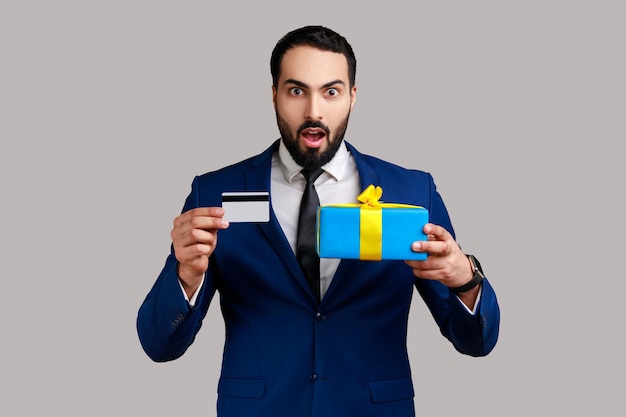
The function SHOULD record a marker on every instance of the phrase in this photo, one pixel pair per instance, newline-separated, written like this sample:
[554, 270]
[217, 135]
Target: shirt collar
[336, 167]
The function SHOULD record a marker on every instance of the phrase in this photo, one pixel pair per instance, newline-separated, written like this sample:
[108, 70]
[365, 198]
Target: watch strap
[477, 278]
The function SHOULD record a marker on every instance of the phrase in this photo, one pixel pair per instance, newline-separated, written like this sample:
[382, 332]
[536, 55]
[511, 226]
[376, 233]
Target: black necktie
[305, 246]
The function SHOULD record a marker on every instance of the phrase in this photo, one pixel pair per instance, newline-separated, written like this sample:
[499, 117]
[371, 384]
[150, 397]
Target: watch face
[475, 264]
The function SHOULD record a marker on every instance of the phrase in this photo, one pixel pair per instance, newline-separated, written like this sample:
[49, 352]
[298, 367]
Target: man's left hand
[445, 263]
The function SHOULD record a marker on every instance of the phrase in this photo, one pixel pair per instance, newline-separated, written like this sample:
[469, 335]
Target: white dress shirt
[338, 184]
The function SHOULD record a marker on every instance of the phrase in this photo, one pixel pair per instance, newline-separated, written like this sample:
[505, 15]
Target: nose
[314, 108]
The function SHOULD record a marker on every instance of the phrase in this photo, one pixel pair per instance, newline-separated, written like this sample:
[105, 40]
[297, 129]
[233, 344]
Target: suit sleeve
[166, 324]
[471, 334]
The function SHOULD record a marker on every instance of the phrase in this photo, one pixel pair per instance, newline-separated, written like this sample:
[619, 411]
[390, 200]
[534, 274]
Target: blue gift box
[370, 231]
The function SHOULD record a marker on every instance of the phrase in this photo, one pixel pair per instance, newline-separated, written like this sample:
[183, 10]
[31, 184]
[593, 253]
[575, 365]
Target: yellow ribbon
[371, 218]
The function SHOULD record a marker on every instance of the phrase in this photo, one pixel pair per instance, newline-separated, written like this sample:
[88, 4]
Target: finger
[214, 212]
[184, 223]
[424, 269]
[191, 253]
[195, 236]
[189, 248]
[432, 247]
[205, 211]
[207, 223]
[184, 238]
[437, 232]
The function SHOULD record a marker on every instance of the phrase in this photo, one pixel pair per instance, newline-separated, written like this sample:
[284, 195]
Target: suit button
[178, 320]
[313, 377]
[320, 317]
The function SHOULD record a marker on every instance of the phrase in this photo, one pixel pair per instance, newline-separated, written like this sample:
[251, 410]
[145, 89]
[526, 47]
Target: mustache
[316, 124]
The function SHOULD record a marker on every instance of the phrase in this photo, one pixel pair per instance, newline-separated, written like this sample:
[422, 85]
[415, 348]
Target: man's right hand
[194, 237]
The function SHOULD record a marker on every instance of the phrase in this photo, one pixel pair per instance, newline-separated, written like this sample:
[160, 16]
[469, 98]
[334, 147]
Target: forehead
[313, 66]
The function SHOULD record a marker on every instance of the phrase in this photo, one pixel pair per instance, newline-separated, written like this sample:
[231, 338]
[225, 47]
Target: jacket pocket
[391, 390]
[241, 387]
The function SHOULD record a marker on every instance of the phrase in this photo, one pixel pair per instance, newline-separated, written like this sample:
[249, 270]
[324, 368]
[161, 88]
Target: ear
[274, 96]
[352, 96]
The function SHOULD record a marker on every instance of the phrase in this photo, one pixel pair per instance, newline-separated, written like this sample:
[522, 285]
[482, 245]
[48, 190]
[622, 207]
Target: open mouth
[313, 137]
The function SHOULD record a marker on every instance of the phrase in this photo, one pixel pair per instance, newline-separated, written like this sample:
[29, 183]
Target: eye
[296, 91]
[332, 92]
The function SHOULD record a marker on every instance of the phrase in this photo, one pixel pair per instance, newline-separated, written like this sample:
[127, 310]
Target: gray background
[108, 110]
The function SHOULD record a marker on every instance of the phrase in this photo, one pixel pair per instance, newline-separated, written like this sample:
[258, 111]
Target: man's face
[313, 100]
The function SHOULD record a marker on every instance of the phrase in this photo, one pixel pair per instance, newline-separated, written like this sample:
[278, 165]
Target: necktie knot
[310, 175]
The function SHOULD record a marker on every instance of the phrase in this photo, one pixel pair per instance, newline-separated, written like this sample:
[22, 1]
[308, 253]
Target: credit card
[246, 206]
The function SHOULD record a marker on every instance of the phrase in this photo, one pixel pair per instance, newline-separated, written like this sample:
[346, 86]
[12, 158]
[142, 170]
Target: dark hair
[318, 37]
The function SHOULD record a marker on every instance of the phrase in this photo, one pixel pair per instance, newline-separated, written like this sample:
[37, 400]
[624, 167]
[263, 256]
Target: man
[288, 351]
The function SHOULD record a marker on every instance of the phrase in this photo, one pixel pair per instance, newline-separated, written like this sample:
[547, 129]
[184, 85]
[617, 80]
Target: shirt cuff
[194, 296]
[473, 310]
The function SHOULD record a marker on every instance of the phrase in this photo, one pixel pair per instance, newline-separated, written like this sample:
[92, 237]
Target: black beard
[311, 158]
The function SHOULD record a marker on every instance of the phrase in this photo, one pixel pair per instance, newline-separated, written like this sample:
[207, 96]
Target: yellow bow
[370, 196]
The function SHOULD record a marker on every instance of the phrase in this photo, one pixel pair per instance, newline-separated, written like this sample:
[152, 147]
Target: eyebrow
[303, 85]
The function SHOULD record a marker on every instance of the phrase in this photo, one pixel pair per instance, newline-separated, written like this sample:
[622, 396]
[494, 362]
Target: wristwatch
[476, 278]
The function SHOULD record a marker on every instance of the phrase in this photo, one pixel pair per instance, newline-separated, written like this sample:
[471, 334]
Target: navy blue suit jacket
[285, 354]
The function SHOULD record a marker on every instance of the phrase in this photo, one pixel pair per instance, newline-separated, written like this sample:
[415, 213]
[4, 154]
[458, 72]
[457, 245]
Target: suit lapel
[367, 173]
[258, 178]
